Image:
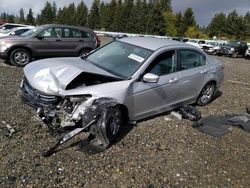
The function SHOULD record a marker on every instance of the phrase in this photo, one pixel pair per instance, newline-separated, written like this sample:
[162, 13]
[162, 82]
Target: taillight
[98, 40]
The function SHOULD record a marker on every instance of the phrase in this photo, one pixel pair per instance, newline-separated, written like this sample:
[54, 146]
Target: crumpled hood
[52, 75]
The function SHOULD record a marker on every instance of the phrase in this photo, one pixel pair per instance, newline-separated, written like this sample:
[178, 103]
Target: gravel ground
[156, 153]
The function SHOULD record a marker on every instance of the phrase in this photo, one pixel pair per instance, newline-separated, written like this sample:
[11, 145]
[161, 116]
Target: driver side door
[49, 43]
[153, 98]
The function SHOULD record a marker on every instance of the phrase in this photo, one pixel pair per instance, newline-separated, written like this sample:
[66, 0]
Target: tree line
[137, 16]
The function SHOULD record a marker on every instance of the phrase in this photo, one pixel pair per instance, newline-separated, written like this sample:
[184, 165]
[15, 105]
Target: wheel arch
[16, 47]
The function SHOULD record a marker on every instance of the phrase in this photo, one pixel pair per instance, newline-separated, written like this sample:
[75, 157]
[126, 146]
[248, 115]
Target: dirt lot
[154, 153]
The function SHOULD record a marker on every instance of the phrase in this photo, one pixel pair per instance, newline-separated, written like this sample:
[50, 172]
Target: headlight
[232, 49]
[4, 46]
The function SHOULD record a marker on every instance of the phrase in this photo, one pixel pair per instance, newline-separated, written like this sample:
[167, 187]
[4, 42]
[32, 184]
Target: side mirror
[40, 37]
[150, 78]
[12, 33]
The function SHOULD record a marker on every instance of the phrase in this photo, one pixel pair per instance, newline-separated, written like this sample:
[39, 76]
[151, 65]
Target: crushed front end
[75, 113]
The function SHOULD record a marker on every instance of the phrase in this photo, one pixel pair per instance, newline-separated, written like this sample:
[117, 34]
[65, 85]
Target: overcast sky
[204, 10]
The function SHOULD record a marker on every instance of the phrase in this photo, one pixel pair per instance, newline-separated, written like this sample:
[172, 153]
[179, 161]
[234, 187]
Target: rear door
[193, 71]
[75, 40]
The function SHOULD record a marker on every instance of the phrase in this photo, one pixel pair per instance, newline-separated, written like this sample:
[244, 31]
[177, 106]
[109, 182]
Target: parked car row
[51, 40]
[228, 48]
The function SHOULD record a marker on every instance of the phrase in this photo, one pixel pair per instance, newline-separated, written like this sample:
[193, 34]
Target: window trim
[175, 61]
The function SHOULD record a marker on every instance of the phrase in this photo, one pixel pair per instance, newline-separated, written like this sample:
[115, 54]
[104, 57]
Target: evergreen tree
[70, 15]
[81, 14]
[236, 26]
[47, 14]
[62, 15]
[94, 15]
[156, 22]
[178, 24]
[30, 20]
[217, 25]
[21, 18]
[104, 16]
[54, 10]
[170, 22]
[112, 12]
[187, 20]
[247, 21]
[10, 18]
[117, 17]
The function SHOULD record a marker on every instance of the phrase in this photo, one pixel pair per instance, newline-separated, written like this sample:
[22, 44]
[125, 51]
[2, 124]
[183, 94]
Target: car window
[73, 33]
[190, 59]
[52, 33]
[20, 31]
[201, 42]
[163, 64]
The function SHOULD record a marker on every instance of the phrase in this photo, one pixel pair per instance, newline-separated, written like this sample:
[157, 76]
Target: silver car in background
[127, 79]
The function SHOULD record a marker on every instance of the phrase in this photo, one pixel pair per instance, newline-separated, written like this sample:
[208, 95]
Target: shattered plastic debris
[10, 129]
[218, 126]
[176, 114]
[190, 112]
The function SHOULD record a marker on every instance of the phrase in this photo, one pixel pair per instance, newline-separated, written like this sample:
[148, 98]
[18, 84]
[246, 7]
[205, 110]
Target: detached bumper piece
[35, 98]
[68, 136]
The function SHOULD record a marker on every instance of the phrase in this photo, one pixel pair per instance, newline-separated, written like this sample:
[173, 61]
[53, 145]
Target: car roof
[152, 43]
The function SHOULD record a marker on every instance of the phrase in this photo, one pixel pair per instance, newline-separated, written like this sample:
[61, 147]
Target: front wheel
[206, 94]
[20, 57]
[111, 122]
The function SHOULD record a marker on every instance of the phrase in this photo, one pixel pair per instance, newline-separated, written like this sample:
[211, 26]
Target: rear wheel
[206, 94]
[20, 57]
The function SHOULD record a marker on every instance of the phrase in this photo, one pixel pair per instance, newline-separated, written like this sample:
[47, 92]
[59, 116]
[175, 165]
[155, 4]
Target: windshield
[120, 59]
[28, 33]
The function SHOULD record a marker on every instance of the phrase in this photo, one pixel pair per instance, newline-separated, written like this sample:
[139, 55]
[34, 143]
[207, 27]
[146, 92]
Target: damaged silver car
[127, 79]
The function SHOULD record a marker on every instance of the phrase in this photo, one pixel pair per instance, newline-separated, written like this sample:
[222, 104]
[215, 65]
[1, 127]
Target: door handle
[173, 80]
[80, 40]
[203, 71]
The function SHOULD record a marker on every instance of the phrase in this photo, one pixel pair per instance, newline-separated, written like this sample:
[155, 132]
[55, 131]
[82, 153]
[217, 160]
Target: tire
[214, 52]
[111, 123]
[206, 94]
[84, 52]
[20, 57]
[234, 55]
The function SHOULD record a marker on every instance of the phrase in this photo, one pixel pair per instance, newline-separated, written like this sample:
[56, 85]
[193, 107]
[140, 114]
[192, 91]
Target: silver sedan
[127, 79]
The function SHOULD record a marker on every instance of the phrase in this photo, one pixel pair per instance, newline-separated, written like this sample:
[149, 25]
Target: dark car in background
[233, 49]
[45, 41]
